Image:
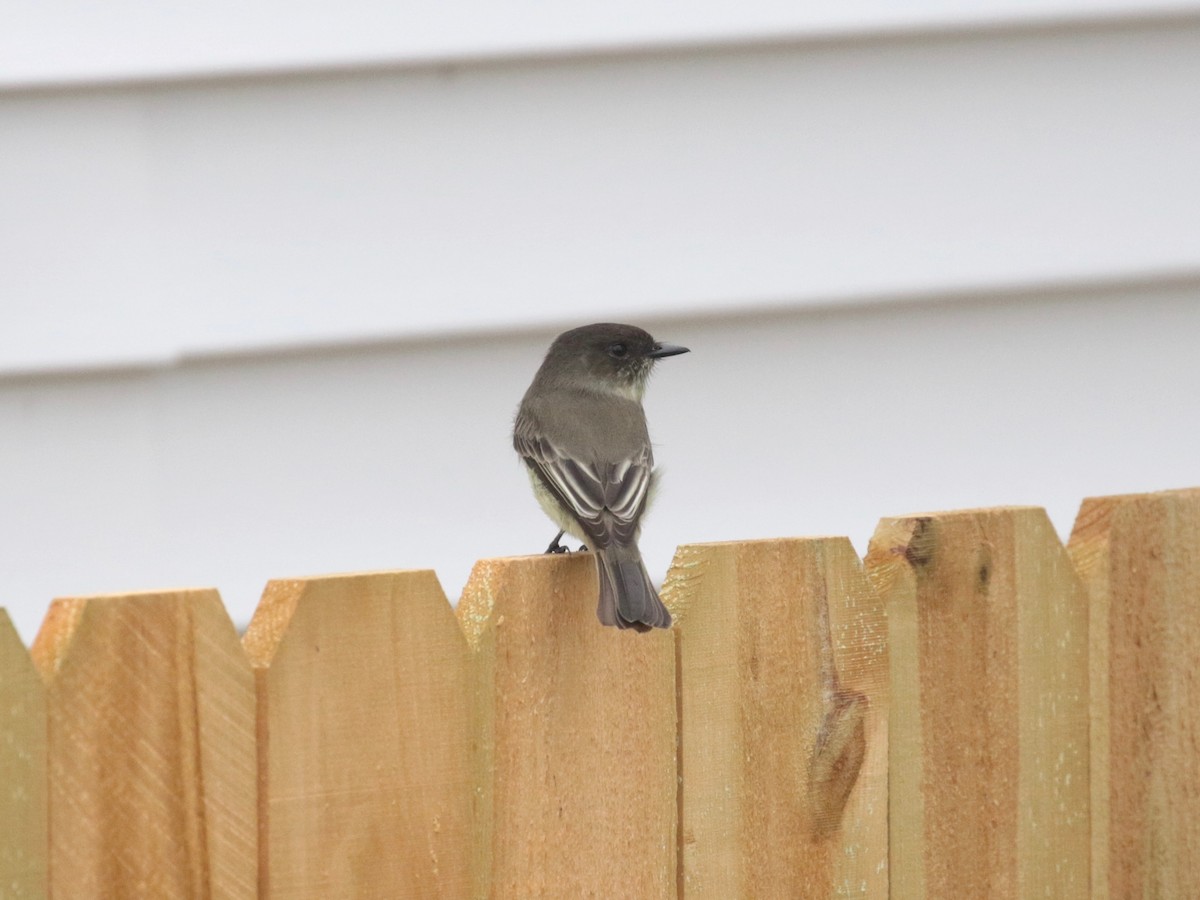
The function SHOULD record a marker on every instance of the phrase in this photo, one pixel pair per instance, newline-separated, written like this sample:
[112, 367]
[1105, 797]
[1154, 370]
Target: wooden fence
[974, 710]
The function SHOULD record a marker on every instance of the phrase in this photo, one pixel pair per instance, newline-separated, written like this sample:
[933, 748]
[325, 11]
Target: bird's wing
[606, 498]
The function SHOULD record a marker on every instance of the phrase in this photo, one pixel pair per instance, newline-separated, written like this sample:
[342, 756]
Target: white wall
[923, 263]
[235, 471]
[149, 222]
[58, 42]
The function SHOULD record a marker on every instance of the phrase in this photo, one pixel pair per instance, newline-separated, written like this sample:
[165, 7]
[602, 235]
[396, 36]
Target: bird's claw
[556, 547]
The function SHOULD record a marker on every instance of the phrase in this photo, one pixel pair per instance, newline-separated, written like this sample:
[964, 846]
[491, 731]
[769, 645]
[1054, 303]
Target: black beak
[661, 350]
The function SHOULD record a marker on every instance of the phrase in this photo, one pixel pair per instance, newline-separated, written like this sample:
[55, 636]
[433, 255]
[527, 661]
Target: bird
[581, 432]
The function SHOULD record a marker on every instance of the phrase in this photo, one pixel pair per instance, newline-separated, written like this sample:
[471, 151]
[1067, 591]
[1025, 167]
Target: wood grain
[784, 720]
[1139, 555]
[576, 730]
[363, 717]
[989, 759]
[150, 705]
[23, 814]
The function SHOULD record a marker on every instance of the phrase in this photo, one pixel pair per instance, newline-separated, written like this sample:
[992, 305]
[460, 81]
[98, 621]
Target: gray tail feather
[627, 598]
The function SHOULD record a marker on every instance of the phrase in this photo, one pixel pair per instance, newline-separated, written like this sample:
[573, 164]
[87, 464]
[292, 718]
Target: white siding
[234, 471]
[78, 41]
[277, 323]
[146, 223]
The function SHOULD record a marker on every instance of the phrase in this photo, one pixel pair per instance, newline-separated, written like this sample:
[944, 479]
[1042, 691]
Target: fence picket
[363, 719]
[150, 707]
[576, 730]
[783, 732]
[1139, 555]
[989, 758]
[23, 862]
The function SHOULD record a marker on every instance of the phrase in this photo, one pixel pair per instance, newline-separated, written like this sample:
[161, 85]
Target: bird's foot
[556, 547]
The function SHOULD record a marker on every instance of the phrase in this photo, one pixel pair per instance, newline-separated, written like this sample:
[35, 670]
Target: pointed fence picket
[783, 728]
[23, 784]
[974, 710]
[150, 708]
[989, 754]
[576, 737]
[1139, 557]
[363, 738]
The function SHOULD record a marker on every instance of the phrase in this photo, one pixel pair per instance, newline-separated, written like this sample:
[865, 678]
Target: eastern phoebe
[582, 432]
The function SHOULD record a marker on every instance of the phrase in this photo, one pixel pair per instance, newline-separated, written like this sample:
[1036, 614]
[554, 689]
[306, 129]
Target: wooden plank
[151, 747]
[576, 730]
[988, 629]
[784, 722]
[23, 815]
[363, 713]
[1139, 556]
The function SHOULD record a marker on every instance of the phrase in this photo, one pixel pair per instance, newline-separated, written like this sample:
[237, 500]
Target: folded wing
[606, 498]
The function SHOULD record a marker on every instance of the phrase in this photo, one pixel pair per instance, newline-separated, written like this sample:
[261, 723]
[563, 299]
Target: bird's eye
[617, 351]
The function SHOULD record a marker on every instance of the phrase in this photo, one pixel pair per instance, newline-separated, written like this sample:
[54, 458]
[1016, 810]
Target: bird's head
[608, 356]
